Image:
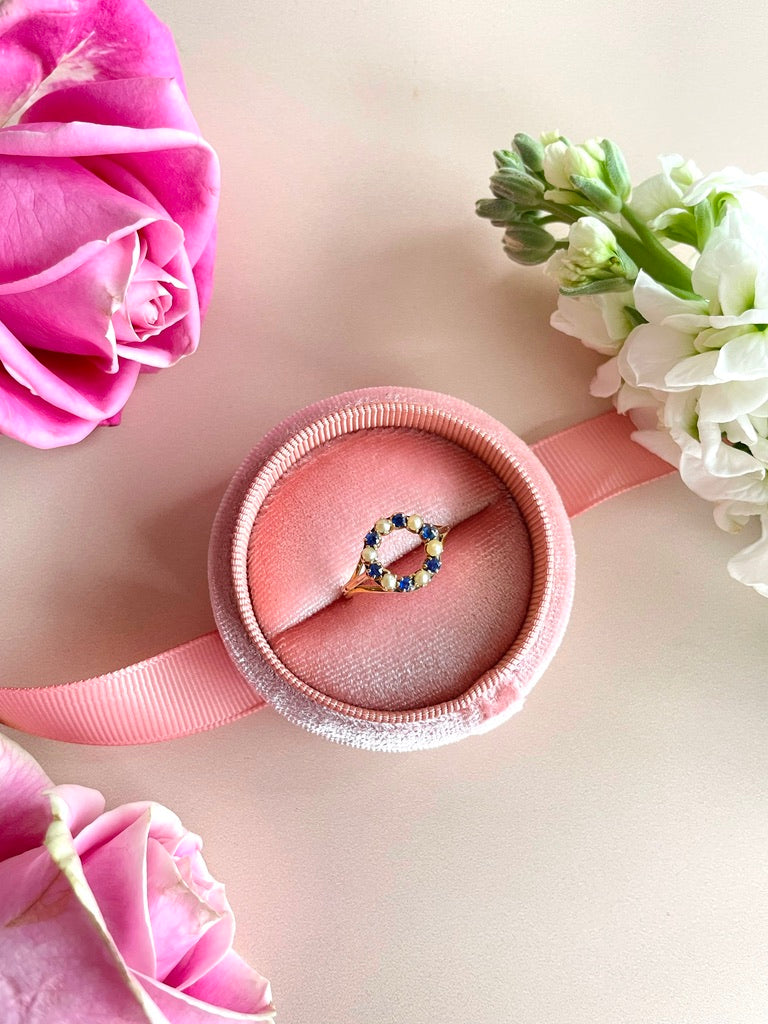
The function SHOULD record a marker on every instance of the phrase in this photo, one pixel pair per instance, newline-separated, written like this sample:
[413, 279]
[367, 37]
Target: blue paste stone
[405, 583]
[428, 532]
[375, 571]
[399, 520]
[433, 564]
[372, 539]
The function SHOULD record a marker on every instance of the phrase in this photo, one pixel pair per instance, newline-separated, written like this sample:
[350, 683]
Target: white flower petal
[730, 179]
[581, 317]
[693, 372]
[660, 443]
[743, 358]
[707, 485]
[607, 380]
[655, 303]
[723, 402]
[723, 460]
[750, 565]
[650, 353]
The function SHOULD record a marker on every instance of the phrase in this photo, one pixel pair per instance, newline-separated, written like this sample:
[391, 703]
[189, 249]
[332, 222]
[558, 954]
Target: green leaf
[634, 316]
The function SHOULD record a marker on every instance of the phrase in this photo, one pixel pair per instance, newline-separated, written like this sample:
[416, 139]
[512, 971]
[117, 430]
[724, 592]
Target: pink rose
[110, 916]
[108, 198]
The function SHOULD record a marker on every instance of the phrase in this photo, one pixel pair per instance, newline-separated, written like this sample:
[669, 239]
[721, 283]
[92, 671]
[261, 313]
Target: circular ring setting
[371, 576]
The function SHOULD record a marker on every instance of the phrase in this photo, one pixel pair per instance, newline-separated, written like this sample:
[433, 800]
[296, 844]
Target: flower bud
[499, 211]
[518, 186]
[508, 158]
[562, 161]
[597, 193]
[531, 151]
[592, 260]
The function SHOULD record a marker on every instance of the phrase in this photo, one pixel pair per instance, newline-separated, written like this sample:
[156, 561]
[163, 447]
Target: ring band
[371, 576]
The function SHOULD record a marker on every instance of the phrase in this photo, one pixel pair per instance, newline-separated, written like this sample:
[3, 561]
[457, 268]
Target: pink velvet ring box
[396, 671]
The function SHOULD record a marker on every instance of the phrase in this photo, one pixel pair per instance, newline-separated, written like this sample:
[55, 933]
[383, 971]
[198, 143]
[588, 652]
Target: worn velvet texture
[395, 671]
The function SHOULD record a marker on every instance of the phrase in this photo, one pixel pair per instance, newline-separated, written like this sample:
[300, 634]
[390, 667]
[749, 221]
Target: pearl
[383, 526]
[388, 581]
[369, 554]
[415, 523]
[422, 578]
[434, 547]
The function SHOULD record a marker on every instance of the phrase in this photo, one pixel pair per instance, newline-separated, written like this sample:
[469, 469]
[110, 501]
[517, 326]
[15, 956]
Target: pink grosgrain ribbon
[196, 686]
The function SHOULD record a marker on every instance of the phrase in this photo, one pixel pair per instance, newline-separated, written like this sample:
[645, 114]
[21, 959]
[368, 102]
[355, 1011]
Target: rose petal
[182, 334]
[178, 915]
[25, 811]
[76, 386]
[55, 213]
[73, 314]
[35, 422]
[58, 962]
[181, 1008]
[47, 44]
[116, 873]
[168, 160]
[234, 985]
[140, 102]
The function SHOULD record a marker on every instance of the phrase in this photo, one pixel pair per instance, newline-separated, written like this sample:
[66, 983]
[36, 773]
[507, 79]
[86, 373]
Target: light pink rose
[108, 199]
[110, 916]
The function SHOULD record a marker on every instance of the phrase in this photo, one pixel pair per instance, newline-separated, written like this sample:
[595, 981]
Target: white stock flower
[660, 197]
[599, 321]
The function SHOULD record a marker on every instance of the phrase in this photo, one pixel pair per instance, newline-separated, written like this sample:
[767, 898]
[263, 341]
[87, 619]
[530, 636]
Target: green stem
[653, 257]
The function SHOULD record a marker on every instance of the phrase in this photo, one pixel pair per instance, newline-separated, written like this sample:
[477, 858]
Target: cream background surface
[601, 857]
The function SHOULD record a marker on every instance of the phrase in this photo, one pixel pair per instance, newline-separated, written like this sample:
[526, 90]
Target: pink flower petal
[76, 386]
[25, 811]
[234, 985]
[73, 313]
[47, 44]
[203, 271]
[181, 335]
[178, 915]
[55, 209]
[58, 963]
[116, 873]
[165, 159]
[139, 102]
[32, 420]
[181, 1008]
[82, 805]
